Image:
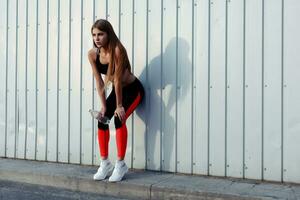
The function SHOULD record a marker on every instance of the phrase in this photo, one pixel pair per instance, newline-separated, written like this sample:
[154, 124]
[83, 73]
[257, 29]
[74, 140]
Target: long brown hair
[113, 43]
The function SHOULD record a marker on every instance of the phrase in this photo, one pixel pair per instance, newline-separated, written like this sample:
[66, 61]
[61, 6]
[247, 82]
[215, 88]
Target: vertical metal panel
[217, 86]
[69, 81]
[125, 35]
[21, 26]
[26, 82]
[52, 82]
[137, 143]
[100, 9]
[11, 80]
[47, 79]
[253, 92]
[168, 86]
[154, 85]
[81, 52]
[193, 86]
[36, 77]
[140, 70]
[16, 86]
[201, 80]
[41, 80]
[184, 91]
[87, 88]
[272, 90]
[31, 81]
[63, 81]
[3, 53]
[291, 92]
[113, 14]
[75, 82]
[235, 89]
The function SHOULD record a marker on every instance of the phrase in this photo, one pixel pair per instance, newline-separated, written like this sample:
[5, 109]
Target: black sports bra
[102, 68]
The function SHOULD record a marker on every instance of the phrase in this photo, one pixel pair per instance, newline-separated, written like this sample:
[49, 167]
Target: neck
[105, 48]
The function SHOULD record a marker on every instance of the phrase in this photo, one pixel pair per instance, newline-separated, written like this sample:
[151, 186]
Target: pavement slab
[143, 184]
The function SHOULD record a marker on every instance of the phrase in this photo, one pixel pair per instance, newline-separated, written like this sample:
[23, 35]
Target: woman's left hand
[120, 112]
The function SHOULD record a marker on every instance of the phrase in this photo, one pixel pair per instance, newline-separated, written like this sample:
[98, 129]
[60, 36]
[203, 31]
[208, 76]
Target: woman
[109, 57]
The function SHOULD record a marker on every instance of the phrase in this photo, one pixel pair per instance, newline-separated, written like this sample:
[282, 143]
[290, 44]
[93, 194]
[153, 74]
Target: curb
[139, 184]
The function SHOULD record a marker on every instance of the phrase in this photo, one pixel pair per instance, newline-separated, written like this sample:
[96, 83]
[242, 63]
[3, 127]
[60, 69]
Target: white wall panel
[272, 91]
[100, 9]
[291, 136]
[154, 85]
[75, 67]
[253, 89]
[11, 80]
[200, 140]
[3, 53]
[63, 71]
[169, 86]
[87, 84]
[135, 125]
[52, 148]
[41, 79]
[113, 9]
[139, 64]
[31, 81]
[235, 89]
[21, 60]
[184, 83]
[217, 88]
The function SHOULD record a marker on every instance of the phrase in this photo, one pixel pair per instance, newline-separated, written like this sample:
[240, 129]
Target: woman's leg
[103, 129]
[103, 139]
[131, 99]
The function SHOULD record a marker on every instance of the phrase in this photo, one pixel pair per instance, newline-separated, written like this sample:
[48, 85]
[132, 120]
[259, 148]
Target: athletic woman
[109, 57]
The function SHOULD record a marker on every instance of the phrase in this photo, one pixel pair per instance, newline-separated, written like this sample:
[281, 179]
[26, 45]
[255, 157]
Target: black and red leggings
[132, 95]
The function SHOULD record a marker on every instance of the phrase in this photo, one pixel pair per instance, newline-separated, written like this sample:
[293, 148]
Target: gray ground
[14, 191]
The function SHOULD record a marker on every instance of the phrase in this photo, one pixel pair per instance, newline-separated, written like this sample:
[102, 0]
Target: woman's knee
[118, 122]
[102, 126]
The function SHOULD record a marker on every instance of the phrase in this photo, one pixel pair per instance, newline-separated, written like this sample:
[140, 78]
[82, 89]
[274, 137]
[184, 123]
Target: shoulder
[117, 51]
[92, 54]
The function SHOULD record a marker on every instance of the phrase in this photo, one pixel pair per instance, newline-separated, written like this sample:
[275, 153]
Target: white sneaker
[104, 170]
[120, 170]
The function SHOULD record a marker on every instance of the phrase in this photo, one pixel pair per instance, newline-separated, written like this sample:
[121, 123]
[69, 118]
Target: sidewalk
[143, 184]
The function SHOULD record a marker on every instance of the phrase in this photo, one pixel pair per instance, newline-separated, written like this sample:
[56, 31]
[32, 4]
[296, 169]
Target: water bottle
[96, 114]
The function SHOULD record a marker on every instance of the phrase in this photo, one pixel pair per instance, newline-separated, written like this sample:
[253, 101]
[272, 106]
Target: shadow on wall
[158, 110]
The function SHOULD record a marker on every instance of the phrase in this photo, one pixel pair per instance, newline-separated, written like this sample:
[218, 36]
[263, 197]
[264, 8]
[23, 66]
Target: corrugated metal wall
[221, 79]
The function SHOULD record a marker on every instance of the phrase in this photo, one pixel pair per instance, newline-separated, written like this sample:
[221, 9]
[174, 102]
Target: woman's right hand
[102, 111]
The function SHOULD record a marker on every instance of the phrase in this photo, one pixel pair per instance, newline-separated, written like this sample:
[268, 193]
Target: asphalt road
[15, 191]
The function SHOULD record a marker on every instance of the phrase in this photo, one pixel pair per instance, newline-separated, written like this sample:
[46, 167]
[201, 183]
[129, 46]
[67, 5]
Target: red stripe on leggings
[121, 133]
[133, 106]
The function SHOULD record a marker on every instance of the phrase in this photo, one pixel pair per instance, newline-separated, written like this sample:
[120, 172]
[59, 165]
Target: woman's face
[100, 37]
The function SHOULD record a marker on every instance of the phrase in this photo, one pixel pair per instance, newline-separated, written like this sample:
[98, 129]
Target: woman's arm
[99, 81]
[120, 111]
